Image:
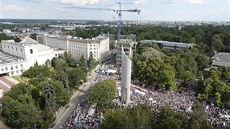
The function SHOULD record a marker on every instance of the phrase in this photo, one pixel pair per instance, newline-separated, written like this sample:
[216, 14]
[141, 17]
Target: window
[6, 68]
[2, 69]
[31, 51]
[16, 66]
[8, 46]
[21, 65]
[12, 68]
[16, 49]
[12, 48]
[21, 50]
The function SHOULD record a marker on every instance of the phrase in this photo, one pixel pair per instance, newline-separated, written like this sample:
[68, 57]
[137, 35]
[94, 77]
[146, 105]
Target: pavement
[64, 113]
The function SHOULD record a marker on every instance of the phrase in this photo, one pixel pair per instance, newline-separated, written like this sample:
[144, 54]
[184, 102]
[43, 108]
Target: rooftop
[42, 47]
[7, 58]
[167, 43]
[221, 59]
[28, 40]
[78, 39]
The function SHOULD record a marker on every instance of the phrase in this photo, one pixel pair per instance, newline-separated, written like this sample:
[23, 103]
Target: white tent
[139, 92]
[91, 110]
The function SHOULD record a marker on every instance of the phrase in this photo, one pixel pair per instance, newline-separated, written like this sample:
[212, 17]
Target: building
[168, 45]
[17, 57]
[128, 46]
[221, 59]
[78, 47]
[126, 77]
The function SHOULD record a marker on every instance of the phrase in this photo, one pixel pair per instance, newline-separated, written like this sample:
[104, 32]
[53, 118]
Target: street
[64, 113]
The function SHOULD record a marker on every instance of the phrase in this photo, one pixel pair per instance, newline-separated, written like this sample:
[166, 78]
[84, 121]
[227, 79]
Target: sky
[154, 10]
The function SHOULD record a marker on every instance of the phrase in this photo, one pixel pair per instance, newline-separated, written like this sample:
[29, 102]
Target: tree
[217, 43]
[83, 61]
[155, 70]
[91, 61]
[103, 93]
[198, 118]
[170, 123]
[10, 112]
[75, 75]
[64, 78]
[34, 36]
[37, 71]
[48, 63]
[29, 115]
[48, 94]
[61, 94]
[212, 88]
[138, 117]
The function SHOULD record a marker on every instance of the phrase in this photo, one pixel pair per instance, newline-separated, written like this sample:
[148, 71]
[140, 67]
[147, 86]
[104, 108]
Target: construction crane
[119, 22]
[118, 12]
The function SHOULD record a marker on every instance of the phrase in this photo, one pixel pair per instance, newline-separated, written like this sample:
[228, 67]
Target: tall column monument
[125, 77]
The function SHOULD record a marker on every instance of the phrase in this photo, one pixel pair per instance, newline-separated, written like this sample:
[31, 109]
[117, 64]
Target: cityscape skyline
[157, 10]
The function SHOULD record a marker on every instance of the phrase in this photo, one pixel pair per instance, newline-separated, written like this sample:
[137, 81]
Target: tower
[126, 77]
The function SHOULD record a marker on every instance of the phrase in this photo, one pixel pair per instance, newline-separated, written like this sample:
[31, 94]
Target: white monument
[126, 77]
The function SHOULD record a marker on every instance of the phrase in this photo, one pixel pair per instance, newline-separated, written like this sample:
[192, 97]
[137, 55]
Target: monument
[126, 76]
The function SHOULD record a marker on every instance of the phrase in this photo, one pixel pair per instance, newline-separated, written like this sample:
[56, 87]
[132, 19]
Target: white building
[17, 57]
[78, 47]
[6, 31]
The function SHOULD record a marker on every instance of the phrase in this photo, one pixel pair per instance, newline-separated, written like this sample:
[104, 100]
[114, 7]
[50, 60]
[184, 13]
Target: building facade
[78, 47]
[20, 56]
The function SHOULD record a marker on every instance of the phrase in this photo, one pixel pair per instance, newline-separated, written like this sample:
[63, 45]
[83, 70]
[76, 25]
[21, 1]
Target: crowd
[178, 101]
[80, 118]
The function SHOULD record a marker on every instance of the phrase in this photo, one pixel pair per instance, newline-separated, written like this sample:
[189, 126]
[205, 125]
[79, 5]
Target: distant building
[168, 45]
[78, 47]
[128, 45]
[16, 57]
[221, 59]
[6, 31]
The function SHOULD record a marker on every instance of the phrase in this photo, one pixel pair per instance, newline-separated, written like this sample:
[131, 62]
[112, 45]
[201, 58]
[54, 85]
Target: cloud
[196, 1]
[142, 2]
[12, 7]
[76, 2]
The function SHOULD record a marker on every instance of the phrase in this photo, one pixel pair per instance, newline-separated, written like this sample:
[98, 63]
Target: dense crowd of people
[178, 101]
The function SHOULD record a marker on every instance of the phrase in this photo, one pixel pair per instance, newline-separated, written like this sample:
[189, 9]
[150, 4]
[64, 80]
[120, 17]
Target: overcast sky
[156, 10]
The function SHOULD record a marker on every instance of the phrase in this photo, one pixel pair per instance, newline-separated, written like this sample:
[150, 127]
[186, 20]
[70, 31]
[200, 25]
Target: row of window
[11, 47]
[12, 73]
[11, 68]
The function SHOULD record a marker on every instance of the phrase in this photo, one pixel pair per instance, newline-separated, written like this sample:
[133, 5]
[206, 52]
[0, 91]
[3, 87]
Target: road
[65, 112]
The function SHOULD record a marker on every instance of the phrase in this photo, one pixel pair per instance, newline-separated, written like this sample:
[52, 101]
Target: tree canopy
[103, 93]
[142, 117]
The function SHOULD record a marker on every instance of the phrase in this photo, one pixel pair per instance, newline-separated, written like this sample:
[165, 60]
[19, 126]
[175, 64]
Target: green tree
[217, 43]
[138, 117]
[155, 70]
[10, 112]
[48, 94]
[103, 93]
[91, 61]
[37, 71]
[29, 115]
[198, 118]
